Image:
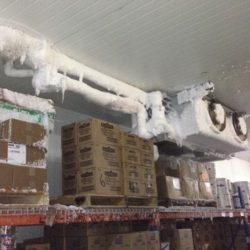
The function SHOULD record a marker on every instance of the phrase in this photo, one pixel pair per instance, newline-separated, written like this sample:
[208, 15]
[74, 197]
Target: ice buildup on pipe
[50, 72]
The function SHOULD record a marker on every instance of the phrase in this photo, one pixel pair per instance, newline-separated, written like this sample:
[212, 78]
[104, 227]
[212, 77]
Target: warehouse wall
[234, 169]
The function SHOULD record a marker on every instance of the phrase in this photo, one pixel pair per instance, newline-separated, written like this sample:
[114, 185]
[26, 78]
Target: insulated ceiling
[158, 44]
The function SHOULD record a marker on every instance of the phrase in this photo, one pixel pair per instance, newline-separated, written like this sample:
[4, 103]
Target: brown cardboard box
[205, 190]
[22, 178]
[29, 178]
[167, 166]
[138, 240]
[6, 176]
[130, 155]
[190, 188]
[69, 135]
[44, 246]
[99, 155]
[74, 230]
[148, 174]
[202, 172]
[149, 188]
[132, 171]
[98, 131]
[100, 181]
[21, 132]
[169, 187]
[70, 158]
[118, 241]
[147, 159]
[188, 168]
[21, 154]
[153, 240]
[133, 187]
[129, 140]
[69, 182]
[184, 239]
[146, 145]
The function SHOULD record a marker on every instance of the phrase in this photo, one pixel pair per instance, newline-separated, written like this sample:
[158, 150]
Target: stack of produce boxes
[100, 159]
[224, 193]
[189, 179]
[212, 178]
[168, 178]
[91, 158]
[23, 164]
[204, 182]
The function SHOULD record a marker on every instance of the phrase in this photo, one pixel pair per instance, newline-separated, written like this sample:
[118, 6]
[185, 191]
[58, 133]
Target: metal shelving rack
[50, 215]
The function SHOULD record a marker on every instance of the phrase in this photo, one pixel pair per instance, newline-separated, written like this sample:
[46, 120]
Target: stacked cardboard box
[183, 239]
[22, 160]
[103, 236]
[212, 177]
[98, 158]
[224, 193]
[208, 235]
[245, 192]
[168, 181]
[91, 158]
[189, 179]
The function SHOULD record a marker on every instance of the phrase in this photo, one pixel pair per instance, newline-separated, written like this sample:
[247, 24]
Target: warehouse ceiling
[161, 44]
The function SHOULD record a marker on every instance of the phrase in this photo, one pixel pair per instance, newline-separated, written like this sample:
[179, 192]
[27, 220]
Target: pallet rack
[50, 215]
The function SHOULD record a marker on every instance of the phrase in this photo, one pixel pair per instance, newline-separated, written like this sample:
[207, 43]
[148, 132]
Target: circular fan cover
[217, 115]
[240, 126]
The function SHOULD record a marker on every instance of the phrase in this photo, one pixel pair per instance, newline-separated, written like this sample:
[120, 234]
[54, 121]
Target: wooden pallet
[182, 202]
[143, 201]
[206, 203]
[21, 199]
[90, 200]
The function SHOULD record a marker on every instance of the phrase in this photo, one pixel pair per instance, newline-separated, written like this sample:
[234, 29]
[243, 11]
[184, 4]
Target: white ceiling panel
[151, 44]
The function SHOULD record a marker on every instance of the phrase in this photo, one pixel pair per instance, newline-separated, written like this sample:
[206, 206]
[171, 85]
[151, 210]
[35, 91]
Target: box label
[16, 153]
[176, 184]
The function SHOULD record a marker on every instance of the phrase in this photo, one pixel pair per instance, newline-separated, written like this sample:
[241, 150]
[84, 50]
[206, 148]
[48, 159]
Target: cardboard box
[138, 240]
[146, 144]
[205, 190]
[184, 239]
[130, 155]
[118, 241]
[6, 176]
[27, 178]
[132, 171]
[22, 178]
[223, 186]
[105, 181]
[69, 182]
[188, 168]
[74, 230]
[133, 187]
[190, 188]
[225, 201]
[167, 166]
[149, 188]
[78, 243]
[153, 240]
[20, 154]
[169, 187]
[243, 185]
[70, 158]
[202, 172]
[99, 155]
[98, 131]
[147, 159]
[21, 132]
[69, 135]
[129, 140]
[44, 246]
[148, 174]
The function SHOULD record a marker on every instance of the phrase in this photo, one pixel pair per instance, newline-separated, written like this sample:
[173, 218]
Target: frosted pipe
[15, 44]
[10, 71]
